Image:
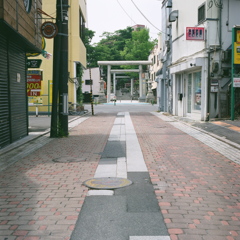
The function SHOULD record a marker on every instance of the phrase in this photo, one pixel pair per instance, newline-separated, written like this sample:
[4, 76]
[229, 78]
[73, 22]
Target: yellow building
[76, 54]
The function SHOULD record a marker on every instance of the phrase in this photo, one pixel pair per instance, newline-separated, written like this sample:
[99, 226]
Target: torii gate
[119, 63]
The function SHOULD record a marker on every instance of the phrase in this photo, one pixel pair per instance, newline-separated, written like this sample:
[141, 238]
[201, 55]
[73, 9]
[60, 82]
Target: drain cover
[67, 159]
[107, 183]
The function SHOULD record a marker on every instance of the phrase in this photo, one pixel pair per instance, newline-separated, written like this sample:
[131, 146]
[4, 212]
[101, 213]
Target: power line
[145, 16]
[125, 12]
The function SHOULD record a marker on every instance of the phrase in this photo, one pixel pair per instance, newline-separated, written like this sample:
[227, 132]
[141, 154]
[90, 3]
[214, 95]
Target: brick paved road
[41, 199]
[197, 188]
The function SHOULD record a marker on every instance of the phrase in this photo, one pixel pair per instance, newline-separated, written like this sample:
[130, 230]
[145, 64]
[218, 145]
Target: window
[201, 14]
[81, 26]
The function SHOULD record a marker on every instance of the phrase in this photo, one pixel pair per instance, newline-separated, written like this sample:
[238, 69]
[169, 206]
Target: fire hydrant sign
[34, 83]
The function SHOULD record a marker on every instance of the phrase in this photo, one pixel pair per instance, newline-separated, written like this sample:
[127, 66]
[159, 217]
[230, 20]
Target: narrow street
[185, 182]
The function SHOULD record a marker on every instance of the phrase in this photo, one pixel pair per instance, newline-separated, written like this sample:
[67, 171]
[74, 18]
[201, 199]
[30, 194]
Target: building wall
[192, 57]
[77, 54]
[13, 13]
[19, 35]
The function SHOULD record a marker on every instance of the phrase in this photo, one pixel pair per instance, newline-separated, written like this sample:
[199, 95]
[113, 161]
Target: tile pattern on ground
[198, 188]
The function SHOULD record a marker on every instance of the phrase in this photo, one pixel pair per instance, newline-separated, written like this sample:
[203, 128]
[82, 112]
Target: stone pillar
[140, 82]
[114, 84]
[131, 87]
[108, 82]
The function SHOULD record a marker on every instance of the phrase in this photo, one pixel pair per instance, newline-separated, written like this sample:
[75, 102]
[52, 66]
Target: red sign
[34, 87]
[195, 33]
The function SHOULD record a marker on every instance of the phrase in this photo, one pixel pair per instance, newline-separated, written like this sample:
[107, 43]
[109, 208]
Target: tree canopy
[124, 44]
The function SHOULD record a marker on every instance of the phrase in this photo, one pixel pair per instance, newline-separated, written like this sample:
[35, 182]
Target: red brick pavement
[41, 199]
[198, 189]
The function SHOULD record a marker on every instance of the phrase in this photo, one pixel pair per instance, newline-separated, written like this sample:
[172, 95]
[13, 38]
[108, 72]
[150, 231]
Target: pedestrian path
[185, 183]
[197, 187]
[128, 213]
[231, 152]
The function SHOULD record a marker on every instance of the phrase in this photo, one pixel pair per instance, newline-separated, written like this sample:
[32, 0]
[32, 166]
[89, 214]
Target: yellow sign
[37, 54]
[238, 36]
[237, 53]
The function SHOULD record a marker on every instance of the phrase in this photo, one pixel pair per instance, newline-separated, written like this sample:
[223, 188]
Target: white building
[154, 68]
[201, 40]
[95, 76]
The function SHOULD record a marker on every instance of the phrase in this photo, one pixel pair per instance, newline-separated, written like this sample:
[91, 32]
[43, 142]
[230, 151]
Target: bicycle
[76, 109]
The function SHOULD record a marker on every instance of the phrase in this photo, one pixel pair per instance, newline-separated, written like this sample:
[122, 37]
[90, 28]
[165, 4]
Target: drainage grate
[68, 159]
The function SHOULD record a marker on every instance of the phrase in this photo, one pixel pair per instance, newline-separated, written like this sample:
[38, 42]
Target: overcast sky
[109, 16]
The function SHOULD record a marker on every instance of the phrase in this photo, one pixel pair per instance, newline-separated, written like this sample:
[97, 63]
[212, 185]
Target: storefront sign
[49, 30]
[34, 87]
[236, 53]
[195, 33]
[37, 54]
[34, 63]
[238, 36]
[34, 78]
[236, 82]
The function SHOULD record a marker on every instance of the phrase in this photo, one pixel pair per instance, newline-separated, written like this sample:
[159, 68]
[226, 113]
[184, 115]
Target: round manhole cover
[107, 183]
[68, 159]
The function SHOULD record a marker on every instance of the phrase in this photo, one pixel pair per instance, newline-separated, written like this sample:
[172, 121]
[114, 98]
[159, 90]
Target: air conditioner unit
[215, 67]
[226, 56]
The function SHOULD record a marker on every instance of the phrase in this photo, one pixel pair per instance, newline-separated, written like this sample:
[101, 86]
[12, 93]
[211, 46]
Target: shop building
[76, 55]
[199, 35]
[19, 35]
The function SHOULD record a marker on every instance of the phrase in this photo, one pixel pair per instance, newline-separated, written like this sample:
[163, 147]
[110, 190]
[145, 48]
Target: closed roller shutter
[18, 92]
[4, 99]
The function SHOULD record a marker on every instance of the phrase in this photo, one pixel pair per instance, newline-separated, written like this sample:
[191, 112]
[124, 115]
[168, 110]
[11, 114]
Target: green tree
[139, 47]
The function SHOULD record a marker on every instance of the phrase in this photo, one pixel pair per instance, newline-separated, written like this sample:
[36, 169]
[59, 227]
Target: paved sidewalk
[194, 175]
[197, 187]
[40, 198]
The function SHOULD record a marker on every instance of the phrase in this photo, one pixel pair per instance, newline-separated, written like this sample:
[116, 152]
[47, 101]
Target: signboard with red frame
[195, 33]
[34, 78]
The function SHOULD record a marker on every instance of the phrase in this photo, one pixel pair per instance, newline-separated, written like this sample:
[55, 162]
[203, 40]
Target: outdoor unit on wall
[173, 16]
[226, 56]
[215, 67]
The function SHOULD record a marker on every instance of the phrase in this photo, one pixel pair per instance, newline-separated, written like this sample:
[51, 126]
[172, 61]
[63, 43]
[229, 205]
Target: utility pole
[63, 86]
[59, 117]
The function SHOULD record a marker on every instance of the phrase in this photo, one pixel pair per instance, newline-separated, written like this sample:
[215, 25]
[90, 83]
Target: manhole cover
[107, 183]
[67, 159]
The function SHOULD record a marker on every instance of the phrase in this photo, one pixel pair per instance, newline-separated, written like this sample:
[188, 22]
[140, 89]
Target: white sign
[236, 82]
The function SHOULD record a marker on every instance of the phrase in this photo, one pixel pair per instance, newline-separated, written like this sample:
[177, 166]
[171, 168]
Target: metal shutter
[4, 99]
[18, 92]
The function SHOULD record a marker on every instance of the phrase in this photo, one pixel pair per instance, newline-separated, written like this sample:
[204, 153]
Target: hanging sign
[34, 63]
[49, 30]
[37, 54]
